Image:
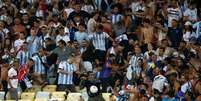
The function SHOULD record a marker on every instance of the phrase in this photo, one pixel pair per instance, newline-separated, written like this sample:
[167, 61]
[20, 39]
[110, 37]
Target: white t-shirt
[18, 43]
[68, 11]
[66, 38]
[12, 74]
[91, 26]
[191, 14]
[135, 6]
[159, 82]
[186, 36]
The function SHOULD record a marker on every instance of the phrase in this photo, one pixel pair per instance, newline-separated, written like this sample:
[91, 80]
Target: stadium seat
[41, 99]
[58, 95]
[56, 99]
[28, 95]
[73, 97]
[43, 95]
[50, 88]
[25, 100]
[85, 96]
[2, 94]
[34, 89]
[106, 96]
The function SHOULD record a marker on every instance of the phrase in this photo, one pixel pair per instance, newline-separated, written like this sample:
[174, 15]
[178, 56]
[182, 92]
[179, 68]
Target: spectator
[147, 32]
[65, 78]
[116, 16]
[13, 80]
[39, 69]
[62, 36]
[23, 55]
[33, 42]
[63, 51]
[175, 34]
[137, 55]
[174, 12]
[19, 42]
[18, 27]
[92, 23]
[77, 11]
[4, 77]
[123, 49]
[191, 13]
[99, 41]
[23, 76]
[81, 34]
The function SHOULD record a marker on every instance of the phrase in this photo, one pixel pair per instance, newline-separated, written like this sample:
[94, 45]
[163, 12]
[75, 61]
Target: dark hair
[100, 27]
[161, 48]
[82, 24]
[62, 42]
[164, 40]
[94, 13]
[48, 39]
[30, 59]
[175, 20]
[25, 42]
[147, 21]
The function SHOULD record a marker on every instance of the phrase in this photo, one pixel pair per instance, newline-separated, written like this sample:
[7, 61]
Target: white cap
[188, 23]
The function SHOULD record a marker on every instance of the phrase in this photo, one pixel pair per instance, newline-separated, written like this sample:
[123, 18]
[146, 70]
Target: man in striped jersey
[39, 66]
[33, 42]
[65, 77]
[135, 63]
[116, 16]
[174, 12]
[138, 55]
[98, 39]
[23, 55]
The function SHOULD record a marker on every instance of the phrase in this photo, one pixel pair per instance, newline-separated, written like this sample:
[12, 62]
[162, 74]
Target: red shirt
[22, 72]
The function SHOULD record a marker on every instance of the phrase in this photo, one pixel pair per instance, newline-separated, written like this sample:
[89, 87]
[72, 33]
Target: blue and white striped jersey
[115, 18]
[38, 66]
[99, 40]
[34, 44]
[23, 57]
[134, 60]
[66, 78]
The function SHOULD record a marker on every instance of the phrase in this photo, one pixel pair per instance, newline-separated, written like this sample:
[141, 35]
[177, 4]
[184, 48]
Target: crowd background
[138, 50]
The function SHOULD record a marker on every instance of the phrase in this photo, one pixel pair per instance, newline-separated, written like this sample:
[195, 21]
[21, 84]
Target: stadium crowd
[138, 50]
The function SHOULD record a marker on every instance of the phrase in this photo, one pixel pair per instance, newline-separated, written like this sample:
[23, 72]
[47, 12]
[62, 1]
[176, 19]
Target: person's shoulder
[82, 11]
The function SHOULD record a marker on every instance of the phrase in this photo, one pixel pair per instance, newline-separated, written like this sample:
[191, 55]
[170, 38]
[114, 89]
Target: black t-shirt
[82, 14]
[175, 36]
[88, 84]
[133, 36]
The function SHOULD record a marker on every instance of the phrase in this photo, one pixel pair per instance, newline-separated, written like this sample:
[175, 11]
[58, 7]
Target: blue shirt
[66, 78]
[33, 44]
[80, 36]
[105, 73]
